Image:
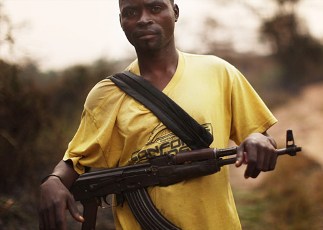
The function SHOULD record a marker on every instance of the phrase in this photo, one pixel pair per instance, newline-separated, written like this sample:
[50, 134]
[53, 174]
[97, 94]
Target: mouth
[146, 37]
[143, 35]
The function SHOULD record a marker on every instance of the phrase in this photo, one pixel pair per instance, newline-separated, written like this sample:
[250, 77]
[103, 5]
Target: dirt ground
[304, 115]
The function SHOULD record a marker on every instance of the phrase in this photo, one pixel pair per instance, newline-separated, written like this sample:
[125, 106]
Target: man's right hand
[55, 198]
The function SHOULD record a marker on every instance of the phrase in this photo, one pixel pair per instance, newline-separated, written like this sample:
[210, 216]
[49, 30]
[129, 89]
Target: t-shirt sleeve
[91, 143]
[249, 112]
[84, 149]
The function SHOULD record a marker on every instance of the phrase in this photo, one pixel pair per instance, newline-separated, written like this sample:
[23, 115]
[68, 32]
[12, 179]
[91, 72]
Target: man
[116, 130]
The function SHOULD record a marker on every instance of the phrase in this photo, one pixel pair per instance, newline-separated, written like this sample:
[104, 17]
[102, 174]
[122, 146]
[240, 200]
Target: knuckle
[251, 141]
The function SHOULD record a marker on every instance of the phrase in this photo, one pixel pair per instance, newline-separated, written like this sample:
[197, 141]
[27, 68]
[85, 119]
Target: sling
[168, 112]
[176, 120]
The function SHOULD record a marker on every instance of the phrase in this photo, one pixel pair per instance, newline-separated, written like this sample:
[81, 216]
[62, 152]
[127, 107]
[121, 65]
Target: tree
[298, 53]
[6, 36]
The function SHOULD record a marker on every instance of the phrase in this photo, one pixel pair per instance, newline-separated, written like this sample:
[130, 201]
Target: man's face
[148, 24]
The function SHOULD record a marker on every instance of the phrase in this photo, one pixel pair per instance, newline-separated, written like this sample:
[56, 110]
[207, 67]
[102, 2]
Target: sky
[60, 33]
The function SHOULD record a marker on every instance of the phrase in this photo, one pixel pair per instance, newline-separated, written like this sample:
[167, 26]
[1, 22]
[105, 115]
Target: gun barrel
[289, 150]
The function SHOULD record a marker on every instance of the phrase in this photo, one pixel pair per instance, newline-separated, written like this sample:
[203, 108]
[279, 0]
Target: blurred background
[53, 52]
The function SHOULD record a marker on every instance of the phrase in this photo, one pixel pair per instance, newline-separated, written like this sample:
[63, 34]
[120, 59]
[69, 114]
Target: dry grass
[291, 197]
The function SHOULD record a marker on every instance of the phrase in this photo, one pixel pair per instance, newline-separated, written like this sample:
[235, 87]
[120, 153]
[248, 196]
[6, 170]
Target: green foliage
[297, 52]
[298, 56]
[39, 113]
[21, 118]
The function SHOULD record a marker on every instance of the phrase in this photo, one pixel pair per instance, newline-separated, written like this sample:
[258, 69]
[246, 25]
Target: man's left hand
[258, 151]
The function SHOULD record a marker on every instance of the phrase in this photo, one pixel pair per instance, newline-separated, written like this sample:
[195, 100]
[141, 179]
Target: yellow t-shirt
[116, 130]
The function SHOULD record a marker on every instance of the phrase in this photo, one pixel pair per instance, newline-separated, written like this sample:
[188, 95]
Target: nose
[145, 18]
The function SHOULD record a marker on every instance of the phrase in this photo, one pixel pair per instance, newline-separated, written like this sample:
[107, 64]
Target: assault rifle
[130, 181]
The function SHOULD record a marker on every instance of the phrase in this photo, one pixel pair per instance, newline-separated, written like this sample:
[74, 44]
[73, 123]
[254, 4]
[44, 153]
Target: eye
[156, 9]
[129, 13]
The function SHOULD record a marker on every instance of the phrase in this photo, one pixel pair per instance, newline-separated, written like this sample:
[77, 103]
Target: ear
[120, 21]
[176, 11]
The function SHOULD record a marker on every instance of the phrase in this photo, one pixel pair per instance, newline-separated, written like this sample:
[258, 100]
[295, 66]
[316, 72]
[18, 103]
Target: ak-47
[131, 181]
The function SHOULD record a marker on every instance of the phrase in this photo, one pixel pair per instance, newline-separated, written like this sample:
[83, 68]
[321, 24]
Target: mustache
[144, 32]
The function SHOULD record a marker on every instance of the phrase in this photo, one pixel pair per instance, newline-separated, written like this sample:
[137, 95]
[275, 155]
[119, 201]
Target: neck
[158, 67]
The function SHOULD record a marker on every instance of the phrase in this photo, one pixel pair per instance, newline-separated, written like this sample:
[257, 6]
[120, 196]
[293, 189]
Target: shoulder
[211, 66]
[103, 92]
[208, 61]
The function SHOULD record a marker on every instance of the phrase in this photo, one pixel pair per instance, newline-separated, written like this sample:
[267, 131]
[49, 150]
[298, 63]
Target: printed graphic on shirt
[162, 141]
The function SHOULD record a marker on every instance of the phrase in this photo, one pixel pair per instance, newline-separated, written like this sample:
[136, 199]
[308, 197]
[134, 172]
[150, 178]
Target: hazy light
[59, 33]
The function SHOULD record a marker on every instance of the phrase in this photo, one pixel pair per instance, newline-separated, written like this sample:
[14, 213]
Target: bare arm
[55, 198]
[258, 152]
[66, 173]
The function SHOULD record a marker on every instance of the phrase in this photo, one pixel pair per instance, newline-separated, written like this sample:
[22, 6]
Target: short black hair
[172, 1]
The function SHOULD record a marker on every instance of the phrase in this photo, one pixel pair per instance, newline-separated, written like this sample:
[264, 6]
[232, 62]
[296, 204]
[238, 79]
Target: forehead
[124, 3]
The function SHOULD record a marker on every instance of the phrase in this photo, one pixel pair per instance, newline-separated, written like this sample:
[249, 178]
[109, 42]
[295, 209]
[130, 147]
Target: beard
[150, 40]
[147, 42]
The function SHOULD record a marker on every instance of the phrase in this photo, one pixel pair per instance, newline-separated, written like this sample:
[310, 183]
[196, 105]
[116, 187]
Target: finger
[252, 163]
[43, 215]
[269, 161]
[261, 161]
[241, 156]
[71, 206]
[252, 171]
[249, 170]
[272, 158]
[273, 161]
[255, 173]
[60, 218]
[50, 219]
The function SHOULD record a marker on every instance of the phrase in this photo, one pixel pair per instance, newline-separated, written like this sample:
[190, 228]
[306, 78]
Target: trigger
[105, 199]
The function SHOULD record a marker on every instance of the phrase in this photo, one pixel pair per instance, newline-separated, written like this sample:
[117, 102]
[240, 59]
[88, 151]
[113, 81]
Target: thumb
[71, 206]
[241, 156]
